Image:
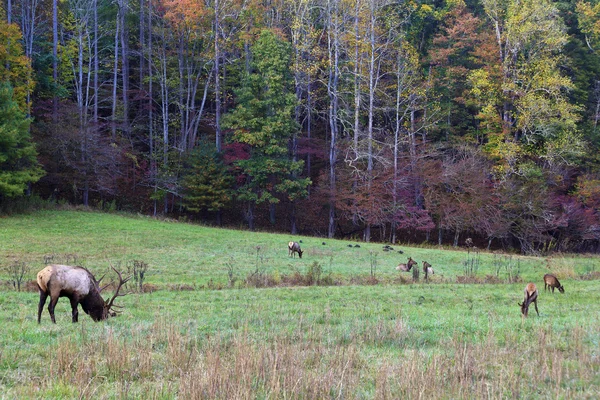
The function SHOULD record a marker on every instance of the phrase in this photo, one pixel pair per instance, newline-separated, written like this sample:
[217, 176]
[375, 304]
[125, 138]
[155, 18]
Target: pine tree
[264, 120]
[206, 181]
[18, 162]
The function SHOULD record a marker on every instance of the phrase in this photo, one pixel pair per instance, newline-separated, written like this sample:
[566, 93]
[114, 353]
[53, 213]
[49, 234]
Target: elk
[293, 248]
[531, 295]
[551, 281]
[80, 286]
[406, 267]
[427, 269]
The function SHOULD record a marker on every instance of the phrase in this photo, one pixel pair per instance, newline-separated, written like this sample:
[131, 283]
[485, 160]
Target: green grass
[394, 339]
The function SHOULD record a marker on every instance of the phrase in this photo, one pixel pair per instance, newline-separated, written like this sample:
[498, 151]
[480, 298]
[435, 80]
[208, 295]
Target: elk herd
[81, 288]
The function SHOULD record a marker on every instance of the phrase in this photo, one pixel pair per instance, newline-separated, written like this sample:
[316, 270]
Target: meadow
[227, 314]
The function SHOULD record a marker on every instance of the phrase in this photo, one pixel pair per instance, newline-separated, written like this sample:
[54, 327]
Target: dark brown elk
[531, 295]
[551, 281]
[294, 247]
[80, 286]
[406, 267]
[427, 269]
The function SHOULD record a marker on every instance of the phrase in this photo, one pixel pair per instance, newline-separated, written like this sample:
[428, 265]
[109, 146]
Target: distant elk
[427, 269]
[551, 281]
[406, 267]
[293, 248]
[80, 286]
[531, 295]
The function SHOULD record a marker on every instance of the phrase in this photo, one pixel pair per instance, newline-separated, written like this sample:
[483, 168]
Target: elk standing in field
[427, 269]
[551, 281]
[406, 267]
[293, 248]
[531, 295]
[80, 286]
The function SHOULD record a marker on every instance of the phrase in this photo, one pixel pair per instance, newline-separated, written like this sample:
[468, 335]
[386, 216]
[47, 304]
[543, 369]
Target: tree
[15, 66]
[206, 182]
[264, 120]
[18, 162]
[522, 100]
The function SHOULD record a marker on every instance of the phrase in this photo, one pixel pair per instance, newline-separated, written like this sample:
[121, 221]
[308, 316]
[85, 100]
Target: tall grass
[533, 361]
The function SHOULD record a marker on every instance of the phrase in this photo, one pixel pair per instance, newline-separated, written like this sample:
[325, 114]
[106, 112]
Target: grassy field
[204, 330]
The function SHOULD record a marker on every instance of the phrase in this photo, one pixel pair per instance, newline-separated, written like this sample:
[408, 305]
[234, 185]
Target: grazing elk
[427, 269]
[406, 267]
[294, 247]
[80, 286]
[531, 295]
[551, 281]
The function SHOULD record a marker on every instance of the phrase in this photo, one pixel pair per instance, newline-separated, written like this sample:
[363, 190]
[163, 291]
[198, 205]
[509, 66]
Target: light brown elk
[293, 248]
[427, 269]
[551, 281]
[80, 286]
[531, 295]
[406, 267]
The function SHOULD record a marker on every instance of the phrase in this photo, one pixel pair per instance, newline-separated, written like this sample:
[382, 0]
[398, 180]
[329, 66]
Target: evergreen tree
[264, 121]
[206, 181]
[18, 162]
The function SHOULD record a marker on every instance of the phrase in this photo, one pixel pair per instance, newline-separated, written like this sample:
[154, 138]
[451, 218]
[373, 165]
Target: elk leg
[536, 310]
[53, 301]
[43, 297]
[74, 312]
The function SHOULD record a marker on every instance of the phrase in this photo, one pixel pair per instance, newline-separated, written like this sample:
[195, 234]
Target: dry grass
[307, 365]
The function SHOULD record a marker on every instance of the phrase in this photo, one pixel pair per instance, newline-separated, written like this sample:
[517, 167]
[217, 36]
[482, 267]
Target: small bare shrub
[471, 264]
[138, 269]
[313, 275]
[16, 272]
[231, 276]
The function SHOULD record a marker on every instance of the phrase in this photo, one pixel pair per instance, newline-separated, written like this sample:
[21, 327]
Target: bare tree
[17, 272]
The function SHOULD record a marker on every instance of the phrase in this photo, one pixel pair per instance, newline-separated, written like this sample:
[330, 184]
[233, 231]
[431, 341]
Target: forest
[397, 121]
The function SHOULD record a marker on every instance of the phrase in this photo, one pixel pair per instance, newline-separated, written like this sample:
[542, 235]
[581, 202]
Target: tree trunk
[115, 80]
[333, 51]
[54, 62]
[272, 213]
[218, 139]
[125, 65]
[294, 229]
[250, 216]
[96, 63]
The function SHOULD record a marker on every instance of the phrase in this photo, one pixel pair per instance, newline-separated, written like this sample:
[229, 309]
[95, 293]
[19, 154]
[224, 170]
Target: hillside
[361, 338]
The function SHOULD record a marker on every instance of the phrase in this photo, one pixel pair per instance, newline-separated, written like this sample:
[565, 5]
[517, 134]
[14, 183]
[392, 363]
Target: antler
[109, 304]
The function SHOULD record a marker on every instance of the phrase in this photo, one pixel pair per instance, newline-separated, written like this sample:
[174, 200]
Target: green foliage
[15, 67]
[18, 162]
[263, 119]
[206, 181]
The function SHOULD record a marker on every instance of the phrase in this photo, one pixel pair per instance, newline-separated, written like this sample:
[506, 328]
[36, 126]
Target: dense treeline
[399, 121]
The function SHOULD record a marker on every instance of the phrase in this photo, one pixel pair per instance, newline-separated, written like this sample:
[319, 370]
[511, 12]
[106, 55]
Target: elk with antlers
[531, 295]
[80, 286]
